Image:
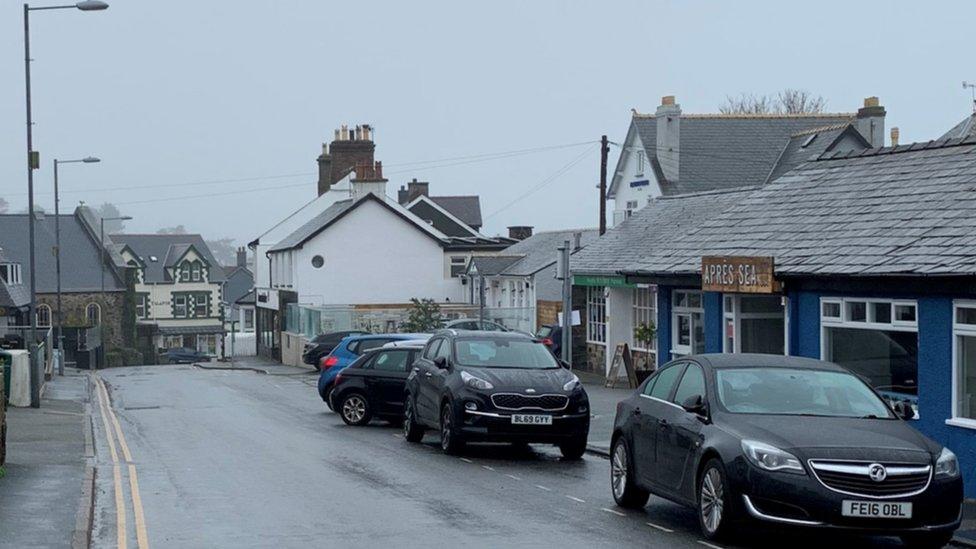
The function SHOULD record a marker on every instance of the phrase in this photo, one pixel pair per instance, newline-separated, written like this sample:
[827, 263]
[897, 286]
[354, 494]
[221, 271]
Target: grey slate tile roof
[905, 210]
[302, 233]
[539, 250]
[650, 229]
[966, 128]
[490, 265]
[809, 145]
[167, 249]
[81, 256]
[727, 151]
[465, 208]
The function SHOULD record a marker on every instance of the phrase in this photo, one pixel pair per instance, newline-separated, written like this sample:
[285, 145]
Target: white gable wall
[630, 194]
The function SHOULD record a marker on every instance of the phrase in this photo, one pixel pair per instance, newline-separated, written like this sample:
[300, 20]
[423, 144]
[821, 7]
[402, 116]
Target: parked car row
[781, 441]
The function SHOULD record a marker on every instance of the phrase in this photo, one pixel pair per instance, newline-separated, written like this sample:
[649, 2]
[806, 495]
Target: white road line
[578, 500]
[541, 487]
[396, 435]
[713, 546]
[513, 477]
[659, 527]
[466, 460]
[618, 513]
[488, 467]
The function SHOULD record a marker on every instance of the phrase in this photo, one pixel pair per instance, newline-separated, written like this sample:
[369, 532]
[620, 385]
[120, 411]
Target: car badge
[877, 472]
[530, 390]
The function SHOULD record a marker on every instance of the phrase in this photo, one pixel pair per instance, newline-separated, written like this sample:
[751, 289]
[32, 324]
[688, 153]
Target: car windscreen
[503, 353]
[801, 392]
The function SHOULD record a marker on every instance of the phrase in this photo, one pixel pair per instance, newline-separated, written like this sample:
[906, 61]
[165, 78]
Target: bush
[131, 357]
[113, 359]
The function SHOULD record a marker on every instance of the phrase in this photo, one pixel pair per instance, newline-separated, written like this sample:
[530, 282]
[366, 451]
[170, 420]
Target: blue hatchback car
[347, 351]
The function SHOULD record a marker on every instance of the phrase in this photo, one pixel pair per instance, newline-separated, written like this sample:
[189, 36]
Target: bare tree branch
[788, 101]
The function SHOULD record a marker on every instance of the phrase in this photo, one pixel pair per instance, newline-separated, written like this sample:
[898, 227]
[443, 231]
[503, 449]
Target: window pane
[681, 299]
[665, 380]
[684, 330]
[831, 309]
[905, 313]
[762, 335]
[882, 312]
[966, 315]
[857, 311]
[695, 300]
[888, 360]
[966, 397]
[699, 325]
[395, 361]
[761, 304]
[692, 383]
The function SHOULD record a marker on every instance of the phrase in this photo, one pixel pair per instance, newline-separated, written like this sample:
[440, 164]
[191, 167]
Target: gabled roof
[718, 151]
[428, 209]
[539, 250]
[650, 230]
[903, 210]
[168, 249]
[808, 145]
[465, 208]
[966, 128]
[491, 265]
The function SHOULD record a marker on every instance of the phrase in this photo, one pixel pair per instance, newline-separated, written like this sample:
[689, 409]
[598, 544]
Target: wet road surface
[240, 459]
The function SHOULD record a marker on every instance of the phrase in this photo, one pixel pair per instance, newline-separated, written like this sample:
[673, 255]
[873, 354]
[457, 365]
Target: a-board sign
[622, 357]
[739, 274]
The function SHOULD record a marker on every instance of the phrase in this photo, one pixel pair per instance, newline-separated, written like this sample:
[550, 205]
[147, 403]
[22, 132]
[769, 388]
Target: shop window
[754, 324]
[878, 340]
[964, 370]
[207, 344]
[172, 342]
[43, 315]
[830, 309]
[596, 315]
[687, 323]
[645, 319]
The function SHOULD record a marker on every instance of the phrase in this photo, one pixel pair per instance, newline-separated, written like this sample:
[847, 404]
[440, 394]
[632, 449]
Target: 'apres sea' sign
[738, 274]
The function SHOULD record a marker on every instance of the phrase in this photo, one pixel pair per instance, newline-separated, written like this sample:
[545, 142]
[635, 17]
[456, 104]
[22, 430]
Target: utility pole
[562, 273]
[481, 297]
[604, 150]
[35, 376]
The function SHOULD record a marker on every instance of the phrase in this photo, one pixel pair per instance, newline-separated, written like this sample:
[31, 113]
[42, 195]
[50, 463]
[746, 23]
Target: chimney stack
[241, 257]
[519, 232]
[369, 179]
[349, 149]
[325, 169]
[668, 136]
[870, 121]
[417, 188]
[895, 134]
[577, 241]
[403, 196]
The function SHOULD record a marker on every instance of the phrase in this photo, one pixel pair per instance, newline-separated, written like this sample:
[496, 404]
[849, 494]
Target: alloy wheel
[446, 428]
[354, 408]
[712, 500]
[618, 471]
[407, 419]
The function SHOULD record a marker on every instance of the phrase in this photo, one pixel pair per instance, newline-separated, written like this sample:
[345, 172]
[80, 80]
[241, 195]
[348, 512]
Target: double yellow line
[109, 420]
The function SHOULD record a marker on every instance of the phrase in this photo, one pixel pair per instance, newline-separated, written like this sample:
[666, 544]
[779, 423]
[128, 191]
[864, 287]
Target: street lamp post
[33, 164]
[57, 252]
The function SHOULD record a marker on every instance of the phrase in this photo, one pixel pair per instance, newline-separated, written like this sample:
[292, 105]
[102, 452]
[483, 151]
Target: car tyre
[714, 501]
[354, 409]
[927, 541]
[625, 491]
[328, 398]
[573, 450]
[412, 431]
[451, 442]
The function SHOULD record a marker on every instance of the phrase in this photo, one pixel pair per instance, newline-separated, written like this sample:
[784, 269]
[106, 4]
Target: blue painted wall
[713, 322]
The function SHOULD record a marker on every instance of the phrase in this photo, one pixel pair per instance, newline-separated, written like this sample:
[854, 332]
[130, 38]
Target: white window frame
[197, 302]
[641, 161]
[12, 273]
[958, 331]
[735, 315]
[196, 274]
[676, 311]
[176, 305]
[98, 313]
[169, 339]
[248, 326]
[596, 331]
[644, 311]
[41, 322]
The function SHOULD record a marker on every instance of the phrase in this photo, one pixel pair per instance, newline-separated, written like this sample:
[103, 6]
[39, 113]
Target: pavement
[42, 490]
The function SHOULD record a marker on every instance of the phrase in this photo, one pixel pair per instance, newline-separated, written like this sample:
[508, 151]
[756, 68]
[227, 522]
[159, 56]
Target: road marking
[397, 435]
[116, 471]
[142, 536]
[618, 513]
[578, 500]
[466, 460]
[541, 487]
[488, 467]
[713, 546]
[513, 477]
[659, 527]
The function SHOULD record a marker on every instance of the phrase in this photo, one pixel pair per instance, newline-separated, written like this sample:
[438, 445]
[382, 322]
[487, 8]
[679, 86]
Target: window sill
[962, 422]
[604, 343]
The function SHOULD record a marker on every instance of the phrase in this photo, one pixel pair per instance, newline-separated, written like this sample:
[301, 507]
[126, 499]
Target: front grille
[515, 401]
[853, 478]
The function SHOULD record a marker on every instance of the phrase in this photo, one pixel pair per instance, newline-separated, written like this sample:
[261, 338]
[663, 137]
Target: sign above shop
[739, 274]
[596, 280]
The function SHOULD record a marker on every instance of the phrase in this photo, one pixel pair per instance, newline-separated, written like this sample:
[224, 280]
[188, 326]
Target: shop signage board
[739, 274]
[622, 357]
[597, 280]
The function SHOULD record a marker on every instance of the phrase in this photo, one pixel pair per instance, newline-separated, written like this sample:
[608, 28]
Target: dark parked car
[323, 344]
[185, 355]
[784, 441]
[373, 385]
[494, 387]
[551, 335]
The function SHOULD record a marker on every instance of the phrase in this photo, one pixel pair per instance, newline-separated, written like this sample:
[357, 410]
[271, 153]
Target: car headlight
[771, 458]
[571, 384]
[475, 382]
[947, 466]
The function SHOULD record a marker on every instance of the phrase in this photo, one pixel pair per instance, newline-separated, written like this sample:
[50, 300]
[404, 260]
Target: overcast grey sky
[172, 94]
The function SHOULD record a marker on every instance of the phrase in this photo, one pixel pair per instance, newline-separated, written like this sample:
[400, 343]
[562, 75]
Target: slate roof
[651, 228]
[13, 295]
[719, 151]
[905, 210]
[966, 128]
[539, 250]
[306, 231]
[491, 265]
[465, 208]
[167, 249]
[809, 145]
[81, 256]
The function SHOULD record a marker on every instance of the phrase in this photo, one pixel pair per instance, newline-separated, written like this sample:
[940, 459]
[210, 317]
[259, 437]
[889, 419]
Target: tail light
[329, 362]
[547, 341]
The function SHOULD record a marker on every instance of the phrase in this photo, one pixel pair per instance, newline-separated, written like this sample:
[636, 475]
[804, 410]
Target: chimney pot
[895, 134]
[667, 100]
[519, 232]
[872, 101]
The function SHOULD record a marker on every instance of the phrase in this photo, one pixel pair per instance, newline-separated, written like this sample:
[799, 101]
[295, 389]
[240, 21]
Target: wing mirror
[440, 362]
[565, 364]
[904, 410]
[695, 404]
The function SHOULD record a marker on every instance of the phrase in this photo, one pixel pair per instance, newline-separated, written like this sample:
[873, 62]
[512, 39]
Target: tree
[224, 250]
[788, 101]
[423, 316]
[179, 229]
[4, 206]
[37, 209]
[106, 211]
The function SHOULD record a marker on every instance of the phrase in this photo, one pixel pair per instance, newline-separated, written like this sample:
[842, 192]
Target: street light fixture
[33, 163]
[57, 252]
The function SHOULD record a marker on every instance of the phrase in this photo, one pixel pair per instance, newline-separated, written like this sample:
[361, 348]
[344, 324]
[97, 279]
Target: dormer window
[195, 272]
[10, 273]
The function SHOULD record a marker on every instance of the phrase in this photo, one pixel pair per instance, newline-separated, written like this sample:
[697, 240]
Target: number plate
[531, 419]
[877, 509]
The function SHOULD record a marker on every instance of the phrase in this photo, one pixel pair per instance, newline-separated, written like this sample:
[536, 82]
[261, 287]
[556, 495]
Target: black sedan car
[783, 441]
[373, 385]
[495, 387]
[323, 344]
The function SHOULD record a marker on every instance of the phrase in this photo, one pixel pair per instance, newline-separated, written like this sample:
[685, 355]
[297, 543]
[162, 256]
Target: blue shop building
[866, 258]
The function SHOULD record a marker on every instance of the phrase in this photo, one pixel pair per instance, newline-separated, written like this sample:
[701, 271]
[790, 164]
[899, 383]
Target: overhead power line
[547, 180]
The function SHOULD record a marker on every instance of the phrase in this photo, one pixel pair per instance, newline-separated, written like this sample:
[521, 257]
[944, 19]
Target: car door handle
[428, 374]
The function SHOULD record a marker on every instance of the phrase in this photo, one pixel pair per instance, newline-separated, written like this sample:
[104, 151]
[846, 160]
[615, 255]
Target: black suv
[494, 387]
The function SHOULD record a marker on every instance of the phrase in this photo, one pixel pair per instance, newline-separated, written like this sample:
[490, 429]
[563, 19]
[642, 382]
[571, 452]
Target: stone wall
[596, 359]
[75, 305]
[547, 312]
